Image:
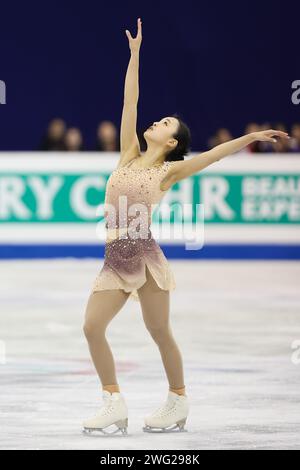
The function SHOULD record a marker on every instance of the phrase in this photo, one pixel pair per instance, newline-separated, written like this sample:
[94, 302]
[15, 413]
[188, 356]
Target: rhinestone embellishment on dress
[129, 250]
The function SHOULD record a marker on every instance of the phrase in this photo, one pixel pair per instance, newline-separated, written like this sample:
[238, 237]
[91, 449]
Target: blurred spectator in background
[73, 140]
[54, 137]
[265, 147]
[282, 145]
[258, 147]
[107, 137]
[295, 138]
[222, 135]
[254, 146]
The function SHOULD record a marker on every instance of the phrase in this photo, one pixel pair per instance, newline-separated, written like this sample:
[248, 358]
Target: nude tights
[101, 308]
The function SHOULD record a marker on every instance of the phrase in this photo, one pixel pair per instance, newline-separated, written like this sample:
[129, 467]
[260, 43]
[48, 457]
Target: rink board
[51, 205]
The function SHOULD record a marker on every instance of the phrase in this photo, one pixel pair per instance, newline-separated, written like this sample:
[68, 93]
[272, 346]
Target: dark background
[217, 64]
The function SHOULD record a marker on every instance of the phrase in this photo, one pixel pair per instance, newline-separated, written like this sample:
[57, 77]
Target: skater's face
[161, 132]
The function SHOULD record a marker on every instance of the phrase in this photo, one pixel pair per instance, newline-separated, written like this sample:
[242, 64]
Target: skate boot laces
[108, 406]
[166, 408]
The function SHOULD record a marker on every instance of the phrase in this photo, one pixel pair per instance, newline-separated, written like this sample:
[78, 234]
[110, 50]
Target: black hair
[183, 136]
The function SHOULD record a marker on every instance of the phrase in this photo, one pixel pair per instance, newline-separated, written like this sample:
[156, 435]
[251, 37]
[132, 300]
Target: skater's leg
[101, 308]
[155, 308]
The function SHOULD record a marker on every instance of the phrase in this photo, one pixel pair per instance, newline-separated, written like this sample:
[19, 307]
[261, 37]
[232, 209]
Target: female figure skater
[136, 266]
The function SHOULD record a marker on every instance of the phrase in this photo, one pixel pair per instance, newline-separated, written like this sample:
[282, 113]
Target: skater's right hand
[135, 43]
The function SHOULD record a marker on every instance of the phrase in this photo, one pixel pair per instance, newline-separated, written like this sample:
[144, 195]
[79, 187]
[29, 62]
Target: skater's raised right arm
[130, 146]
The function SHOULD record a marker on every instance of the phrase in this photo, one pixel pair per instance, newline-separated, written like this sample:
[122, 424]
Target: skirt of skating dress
[125, 263]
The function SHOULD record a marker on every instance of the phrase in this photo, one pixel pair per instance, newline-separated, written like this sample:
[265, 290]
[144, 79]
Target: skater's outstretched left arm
[183, 169]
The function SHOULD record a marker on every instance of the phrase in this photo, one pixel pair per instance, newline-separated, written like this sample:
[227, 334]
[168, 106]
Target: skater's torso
[131, 195]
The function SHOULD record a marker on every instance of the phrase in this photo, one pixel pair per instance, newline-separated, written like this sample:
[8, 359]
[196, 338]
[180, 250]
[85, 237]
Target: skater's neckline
[146, 167]
[129, 165]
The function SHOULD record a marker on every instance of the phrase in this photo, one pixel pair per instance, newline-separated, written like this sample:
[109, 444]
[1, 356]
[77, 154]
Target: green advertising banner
[57, 198]
[75, 197]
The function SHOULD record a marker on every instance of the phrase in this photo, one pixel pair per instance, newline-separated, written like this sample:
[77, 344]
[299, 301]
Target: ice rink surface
[237, 324]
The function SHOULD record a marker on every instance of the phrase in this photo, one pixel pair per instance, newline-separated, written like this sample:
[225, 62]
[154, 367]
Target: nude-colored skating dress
[128, 252]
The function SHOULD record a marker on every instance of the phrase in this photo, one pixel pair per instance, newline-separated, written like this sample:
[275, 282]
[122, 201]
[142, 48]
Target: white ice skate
[113, 412]
[173, 412]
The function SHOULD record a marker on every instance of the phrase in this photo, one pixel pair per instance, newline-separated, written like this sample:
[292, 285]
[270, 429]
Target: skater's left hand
[267, 136]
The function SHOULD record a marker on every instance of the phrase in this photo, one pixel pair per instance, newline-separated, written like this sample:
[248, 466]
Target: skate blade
[122, 426]
[178, 427]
